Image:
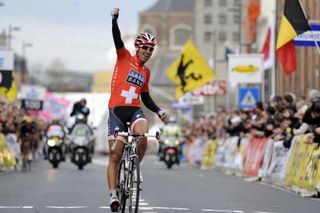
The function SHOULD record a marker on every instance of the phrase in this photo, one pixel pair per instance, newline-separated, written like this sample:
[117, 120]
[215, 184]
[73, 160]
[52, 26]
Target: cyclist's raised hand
[163, 116]
[115, 13]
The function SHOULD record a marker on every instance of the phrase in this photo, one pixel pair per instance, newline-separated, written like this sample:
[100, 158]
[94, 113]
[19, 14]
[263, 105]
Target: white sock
[113, 193]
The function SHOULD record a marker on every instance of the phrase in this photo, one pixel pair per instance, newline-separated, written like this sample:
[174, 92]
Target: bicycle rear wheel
[122, 186]
[134, 181]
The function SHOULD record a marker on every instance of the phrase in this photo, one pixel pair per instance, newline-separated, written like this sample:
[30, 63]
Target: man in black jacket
[80, 108]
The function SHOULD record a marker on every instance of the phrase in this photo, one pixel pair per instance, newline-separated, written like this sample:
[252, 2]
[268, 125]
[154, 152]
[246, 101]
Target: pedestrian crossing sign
[248, 96]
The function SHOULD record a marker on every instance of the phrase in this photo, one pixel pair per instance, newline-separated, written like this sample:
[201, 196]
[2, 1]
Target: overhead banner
[6, 60]
[245, 68]
[54, 107]
[6, 68]
[32, 97]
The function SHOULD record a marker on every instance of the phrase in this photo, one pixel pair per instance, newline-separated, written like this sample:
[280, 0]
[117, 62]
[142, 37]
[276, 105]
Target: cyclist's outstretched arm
[151, 105]
[115, 29]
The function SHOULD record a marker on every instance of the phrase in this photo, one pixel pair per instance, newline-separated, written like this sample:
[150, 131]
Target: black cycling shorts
[120, 116]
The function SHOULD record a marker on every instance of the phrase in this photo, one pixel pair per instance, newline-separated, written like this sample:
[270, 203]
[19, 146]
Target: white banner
[6, 60]
[33, 92]
[245, 68]
[279, 161]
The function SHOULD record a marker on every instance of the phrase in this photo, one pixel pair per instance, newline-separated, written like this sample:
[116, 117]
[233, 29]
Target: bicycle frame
[130, 166]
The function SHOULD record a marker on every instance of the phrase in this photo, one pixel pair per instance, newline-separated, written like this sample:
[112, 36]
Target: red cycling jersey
[130, 78]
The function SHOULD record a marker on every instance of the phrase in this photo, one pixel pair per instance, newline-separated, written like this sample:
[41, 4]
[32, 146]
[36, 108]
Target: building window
[236, 18]
[236, 3]
[222, 36]
[181, 36]
[223, 3]
[208, 3]
[207, 36]
[222, 19]
[207, 19]
[235, 36]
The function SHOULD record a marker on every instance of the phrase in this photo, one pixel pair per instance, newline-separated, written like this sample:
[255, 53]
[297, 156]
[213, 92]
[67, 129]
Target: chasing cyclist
[129, 83]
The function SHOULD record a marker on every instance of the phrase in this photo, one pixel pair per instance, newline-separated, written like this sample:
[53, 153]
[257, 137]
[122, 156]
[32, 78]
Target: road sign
[189, 99]
[248, 96]
[308, 38]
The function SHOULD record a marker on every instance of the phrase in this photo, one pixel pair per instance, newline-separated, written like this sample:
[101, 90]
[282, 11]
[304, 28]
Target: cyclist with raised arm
[129, 83]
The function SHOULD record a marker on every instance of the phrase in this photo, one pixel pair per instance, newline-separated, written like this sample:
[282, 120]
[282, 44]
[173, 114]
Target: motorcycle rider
[80, 107]
[129, 83]
[54, 128]
[171, 131]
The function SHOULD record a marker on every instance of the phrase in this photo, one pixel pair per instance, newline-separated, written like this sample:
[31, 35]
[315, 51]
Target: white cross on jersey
[129, 95]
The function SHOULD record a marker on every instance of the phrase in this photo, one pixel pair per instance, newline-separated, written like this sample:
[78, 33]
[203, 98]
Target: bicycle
[128, 187]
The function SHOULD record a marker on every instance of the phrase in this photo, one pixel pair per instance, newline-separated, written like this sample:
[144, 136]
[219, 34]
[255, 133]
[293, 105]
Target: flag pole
[312, 33]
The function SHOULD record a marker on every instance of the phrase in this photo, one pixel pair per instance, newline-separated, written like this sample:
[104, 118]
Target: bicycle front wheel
[134, 185]
[122, 186]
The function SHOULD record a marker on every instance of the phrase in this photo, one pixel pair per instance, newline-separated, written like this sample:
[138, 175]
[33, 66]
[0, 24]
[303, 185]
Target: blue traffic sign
[248, 96]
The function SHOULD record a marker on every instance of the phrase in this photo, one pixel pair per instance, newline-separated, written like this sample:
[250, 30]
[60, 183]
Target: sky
[75, 32]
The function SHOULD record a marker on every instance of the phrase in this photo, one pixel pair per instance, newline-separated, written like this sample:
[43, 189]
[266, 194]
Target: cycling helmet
[145, 39]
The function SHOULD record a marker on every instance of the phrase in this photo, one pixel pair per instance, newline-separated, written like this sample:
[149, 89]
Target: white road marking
[27, 207]
[143, 204]
[180, 209]
[104, 207]
[66, 207]
[145, 208]
[55, 207]
[10, 207]
[164, 208]
[217, 210]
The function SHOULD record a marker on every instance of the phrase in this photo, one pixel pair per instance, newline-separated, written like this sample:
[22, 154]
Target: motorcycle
[81, 145]
[55, 150]
[170, 151]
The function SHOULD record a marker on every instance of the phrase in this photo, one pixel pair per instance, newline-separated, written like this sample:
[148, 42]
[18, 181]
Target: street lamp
[11, 29]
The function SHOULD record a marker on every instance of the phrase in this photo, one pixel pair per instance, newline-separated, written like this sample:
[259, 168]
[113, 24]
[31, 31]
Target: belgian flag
[293, 23]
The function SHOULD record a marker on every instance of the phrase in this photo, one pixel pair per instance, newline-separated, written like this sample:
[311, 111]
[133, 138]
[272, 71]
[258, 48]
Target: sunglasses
[147, 47]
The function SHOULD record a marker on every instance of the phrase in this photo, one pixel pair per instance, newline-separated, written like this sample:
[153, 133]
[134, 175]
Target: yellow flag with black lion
[190, 70]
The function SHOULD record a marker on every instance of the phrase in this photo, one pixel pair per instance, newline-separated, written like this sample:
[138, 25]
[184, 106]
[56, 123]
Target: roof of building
[173, 5]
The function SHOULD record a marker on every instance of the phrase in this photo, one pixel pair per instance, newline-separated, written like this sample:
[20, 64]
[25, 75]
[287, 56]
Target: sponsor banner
[230, 152]
[209, 152]
[309, 38]
[6, 79]
[253, 157]
[32, 92]
[30, 104]
[13, 145]
[221, 153]
[6, 60]
[7, 159]
[54, 107]
[266, 158]
[212, 88]
[245, 68]
[279, 162]
[303, 166]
